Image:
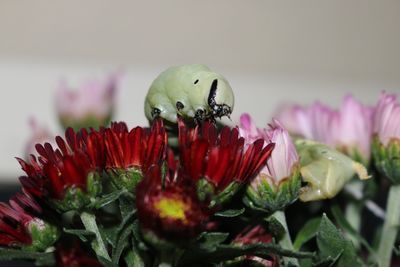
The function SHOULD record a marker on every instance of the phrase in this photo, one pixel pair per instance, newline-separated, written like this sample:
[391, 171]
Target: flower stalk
[285, 241]
[390, 227]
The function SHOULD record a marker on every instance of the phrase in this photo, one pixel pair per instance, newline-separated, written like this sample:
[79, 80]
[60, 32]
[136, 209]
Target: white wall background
[270, 51]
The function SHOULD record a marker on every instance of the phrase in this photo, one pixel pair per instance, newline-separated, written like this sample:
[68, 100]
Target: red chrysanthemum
[56, 171]
[138, 148]
[74, 257]
[15, 219]
[131, 153]
[169, 208]
[256, 235]
[221, 158]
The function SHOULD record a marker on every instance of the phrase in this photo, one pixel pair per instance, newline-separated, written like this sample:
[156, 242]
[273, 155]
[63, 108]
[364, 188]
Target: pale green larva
[192, 91]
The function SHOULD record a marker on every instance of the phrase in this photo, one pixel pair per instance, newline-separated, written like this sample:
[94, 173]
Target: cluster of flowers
[176, 194]
[177, 191]
[355, 129]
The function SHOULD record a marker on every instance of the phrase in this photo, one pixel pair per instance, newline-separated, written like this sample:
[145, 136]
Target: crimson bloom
[256, 235]
[20, 225]
[69, 174]
[223, 161]
[131, 153]
[169, 208]
[177, 204]
[74, 257]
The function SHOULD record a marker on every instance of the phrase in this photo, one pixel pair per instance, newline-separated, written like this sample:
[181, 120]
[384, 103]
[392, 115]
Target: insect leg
[200, 115]
[155, 112]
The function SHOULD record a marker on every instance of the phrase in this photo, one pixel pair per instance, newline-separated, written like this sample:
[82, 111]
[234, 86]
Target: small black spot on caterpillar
[179, 105]
[196, 81]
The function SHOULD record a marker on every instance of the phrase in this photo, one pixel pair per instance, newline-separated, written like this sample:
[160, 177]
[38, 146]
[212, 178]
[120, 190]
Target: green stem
[390, 227]
[285, 242]
[89, 221]
[352, 214]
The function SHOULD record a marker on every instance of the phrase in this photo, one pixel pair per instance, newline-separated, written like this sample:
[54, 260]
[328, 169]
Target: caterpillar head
[220, 98]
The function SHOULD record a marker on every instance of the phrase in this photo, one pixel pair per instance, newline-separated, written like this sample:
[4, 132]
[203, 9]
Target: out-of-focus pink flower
[89, 105]
[386, 141]
[282, 167]
[348, 129]
[283, 157]
[387, 118]
[39, 134]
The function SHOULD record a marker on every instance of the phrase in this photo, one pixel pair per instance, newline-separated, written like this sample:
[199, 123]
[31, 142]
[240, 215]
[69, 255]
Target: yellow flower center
[171, 208]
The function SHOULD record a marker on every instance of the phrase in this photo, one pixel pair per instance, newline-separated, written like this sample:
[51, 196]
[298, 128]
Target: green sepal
[226, 195]
[269, 198]
[43, 235]
[90, 121]
[125, 179]
[76, 198]
[387, 159]
[210, 241]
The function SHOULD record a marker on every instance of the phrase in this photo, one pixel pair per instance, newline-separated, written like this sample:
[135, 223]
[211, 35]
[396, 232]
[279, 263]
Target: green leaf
[306, 233]
[83, 235]
[126, 205]
[122, 243]
[110, 234]
[344, 224]
[212, 240]
[230, 213]
[333, 245]
[275, 227]
[107, 199]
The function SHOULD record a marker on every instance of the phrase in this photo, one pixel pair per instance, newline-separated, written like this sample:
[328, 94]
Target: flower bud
[386, 142]
[277, 184]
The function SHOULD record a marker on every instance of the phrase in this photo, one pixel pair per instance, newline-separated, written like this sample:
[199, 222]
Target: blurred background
[270, 51]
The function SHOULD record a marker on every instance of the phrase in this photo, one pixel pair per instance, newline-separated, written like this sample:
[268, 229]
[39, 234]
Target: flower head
[20, 225]
[131, 153]
[169, 209]
[255, 235]
[74, 256]
[90, 105]
[281, 169]
[221, 161]
[70, 174]
[387, 118]
[348, 129]
[386, 145]
[39, 134]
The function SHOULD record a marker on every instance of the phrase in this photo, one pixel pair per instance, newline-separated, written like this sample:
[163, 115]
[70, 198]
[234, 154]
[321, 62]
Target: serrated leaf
[306, 233]
[332, 244]
[230, 213]
[82, 234]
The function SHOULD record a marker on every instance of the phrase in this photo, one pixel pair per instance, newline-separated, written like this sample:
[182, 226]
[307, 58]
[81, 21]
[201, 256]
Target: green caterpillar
[192, 91]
